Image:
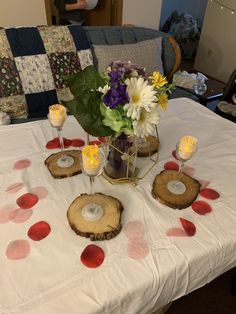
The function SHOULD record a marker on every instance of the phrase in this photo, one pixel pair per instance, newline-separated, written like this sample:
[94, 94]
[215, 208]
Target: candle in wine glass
[57, 115]
[91, 160]
[187, 147]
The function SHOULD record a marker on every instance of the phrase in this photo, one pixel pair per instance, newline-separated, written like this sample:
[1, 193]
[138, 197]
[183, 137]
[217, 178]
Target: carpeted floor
[218, 297]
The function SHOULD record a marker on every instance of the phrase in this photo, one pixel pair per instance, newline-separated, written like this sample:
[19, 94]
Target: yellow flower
[163, 100]
[158, 80]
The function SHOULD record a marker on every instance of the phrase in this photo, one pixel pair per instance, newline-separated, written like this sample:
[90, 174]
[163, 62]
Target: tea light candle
[57, 115]
[91, 159]
[187, 147]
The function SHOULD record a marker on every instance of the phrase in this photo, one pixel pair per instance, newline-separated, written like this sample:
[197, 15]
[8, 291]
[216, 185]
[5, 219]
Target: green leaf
[86, 104]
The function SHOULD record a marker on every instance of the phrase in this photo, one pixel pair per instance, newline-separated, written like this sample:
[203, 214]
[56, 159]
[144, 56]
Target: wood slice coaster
[59, 172]
[151, 147]
[161, 192]
[106, 227]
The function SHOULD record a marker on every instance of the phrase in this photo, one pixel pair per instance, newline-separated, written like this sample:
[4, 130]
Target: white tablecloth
[52, 279]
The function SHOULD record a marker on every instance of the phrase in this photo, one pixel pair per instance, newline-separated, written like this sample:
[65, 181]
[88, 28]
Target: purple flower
[116, 96]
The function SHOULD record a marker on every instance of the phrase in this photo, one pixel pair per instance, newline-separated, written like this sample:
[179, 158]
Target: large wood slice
[151, 147]
[105, 228]
[162, 193]
[59, 172]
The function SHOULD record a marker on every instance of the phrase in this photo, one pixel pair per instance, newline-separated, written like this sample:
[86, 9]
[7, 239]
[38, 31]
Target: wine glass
[57, 116]
[184, 152]
[92, 161]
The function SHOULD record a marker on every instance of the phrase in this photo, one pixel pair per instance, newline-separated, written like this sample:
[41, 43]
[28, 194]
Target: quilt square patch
[38, 103]
[5, 51]
[85, 58]
[35, 73]
[79, 37]
[10, 83]
[15, 106]
[63, 64]
[57, 39]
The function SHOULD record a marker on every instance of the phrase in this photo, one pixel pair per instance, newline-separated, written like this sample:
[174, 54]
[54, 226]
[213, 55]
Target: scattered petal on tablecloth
[77, 142]
[137, 250]
[14, 188]
[188, 170]
[174, 154]
[92, 256]
[204, 183]
[7, 212]
[95, 142]
[40, 191]
[18, 249]
[21, 215]
[103, 139]
[176, 232]
[171, 165]
[134, 230]
[188, 226]
[209, 193]
[201, 207]
[21, 164]
[55, 143]
[27, 200]
[39, 231]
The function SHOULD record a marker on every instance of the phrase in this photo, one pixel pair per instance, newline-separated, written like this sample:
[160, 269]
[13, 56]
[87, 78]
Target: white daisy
[146, 123]
[141, 95]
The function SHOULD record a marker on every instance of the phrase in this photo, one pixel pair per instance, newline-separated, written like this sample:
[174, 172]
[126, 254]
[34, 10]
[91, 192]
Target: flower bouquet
[121, 104]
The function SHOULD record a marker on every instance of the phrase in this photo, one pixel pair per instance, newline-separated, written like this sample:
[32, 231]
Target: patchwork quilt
[33, 62]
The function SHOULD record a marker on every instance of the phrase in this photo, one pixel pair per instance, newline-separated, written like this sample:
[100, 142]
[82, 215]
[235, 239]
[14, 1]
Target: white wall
[216, 55]
[142, 13]
[22, 12]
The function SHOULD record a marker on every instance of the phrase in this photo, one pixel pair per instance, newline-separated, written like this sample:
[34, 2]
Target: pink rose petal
[188, 226]
[176, 232]
[134, 230]
[18, 249]
[201, 207]
[14, 188]
[171, 165]
[40, 192]
[22, 215]
[137, 250]
[203, 183]
[6, 213]
[188, 170]
[21, 164]
[209, 194]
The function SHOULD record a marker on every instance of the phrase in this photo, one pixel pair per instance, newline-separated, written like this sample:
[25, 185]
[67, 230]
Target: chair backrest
[230, 88]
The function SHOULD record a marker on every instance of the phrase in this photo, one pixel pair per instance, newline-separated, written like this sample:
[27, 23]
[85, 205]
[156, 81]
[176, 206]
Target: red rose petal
[95, 143]
[137, 250]
[134, 230]
[92, 256]
[171, 165]
[174, 154]
[103, 139]
[27, 200]
[21, 215]
[22, 164]
[39, 231]
[55, 143]
[6, 213]
[201, 207]
[176, 232]
[14, 188]
[67, 142]
[209, 194]
[18, 249]
[40, 192]
[188, 226]
[77, 142]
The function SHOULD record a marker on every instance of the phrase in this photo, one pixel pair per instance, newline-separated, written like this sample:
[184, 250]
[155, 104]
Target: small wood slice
[149, 149]
[163, 194]
[59, 172]
[106, 227]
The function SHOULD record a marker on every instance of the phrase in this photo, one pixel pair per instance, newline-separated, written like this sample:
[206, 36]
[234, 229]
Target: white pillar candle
[57, 115]
[187, 147]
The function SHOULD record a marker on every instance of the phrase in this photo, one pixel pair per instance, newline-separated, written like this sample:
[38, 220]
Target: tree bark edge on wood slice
[105, 228]
[59, 172]
[164, 196]
[148, 150]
